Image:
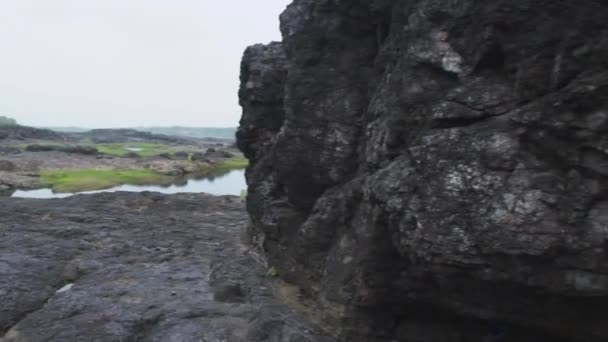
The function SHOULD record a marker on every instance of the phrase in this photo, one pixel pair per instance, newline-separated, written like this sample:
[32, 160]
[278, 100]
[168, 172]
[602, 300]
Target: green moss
[234, 163]
[90, 179]
[121, 149]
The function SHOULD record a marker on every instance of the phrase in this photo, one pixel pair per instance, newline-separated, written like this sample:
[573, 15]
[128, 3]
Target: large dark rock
[435, 170]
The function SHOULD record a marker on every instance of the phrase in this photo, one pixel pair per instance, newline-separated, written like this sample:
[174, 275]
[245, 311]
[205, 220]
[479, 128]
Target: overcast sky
[119, 63]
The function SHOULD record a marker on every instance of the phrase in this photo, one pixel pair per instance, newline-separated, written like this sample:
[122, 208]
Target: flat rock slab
[136, 267]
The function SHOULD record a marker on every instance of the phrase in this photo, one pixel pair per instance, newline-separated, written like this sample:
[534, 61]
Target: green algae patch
[234, 163]
[141, 149]
[93, 179]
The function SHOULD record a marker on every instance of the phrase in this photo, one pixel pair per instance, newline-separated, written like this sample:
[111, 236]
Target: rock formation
[115, 135]
[24, 132]
[435, 170]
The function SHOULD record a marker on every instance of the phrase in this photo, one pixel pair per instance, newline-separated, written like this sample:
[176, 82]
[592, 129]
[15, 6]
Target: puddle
[231, 183]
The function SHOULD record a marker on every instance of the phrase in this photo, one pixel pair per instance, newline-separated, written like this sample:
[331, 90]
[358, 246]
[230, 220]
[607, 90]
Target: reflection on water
[230, 183]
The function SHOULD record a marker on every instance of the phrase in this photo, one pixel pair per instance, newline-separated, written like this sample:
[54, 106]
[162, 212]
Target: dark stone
[211, 154]
[6, 150]
[135, 267]
[198, 156]
[230, 293]
[86, 150]
[132, 154]
[419, 163]
[8, 166]
[181, 154]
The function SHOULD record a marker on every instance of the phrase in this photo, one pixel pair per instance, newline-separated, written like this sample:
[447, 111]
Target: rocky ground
[138, 267]
[24, 152]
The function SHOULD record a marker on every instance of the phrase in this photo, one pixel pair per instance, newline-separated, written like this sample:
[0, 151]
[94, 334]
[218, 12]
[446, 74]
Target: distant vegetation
[6, 121]
[191, 132]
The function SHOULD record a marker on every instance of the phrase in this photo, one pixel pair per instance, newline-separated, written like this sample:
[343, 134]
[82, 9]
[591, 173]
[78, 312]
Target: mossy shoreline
[140, 149]
[93, 179]
[234, 163]
[78, 180]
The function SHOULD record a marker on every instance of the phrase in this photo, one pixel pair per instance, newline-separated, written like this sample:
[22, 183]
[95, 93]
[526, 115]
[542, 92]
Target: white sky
[119, 63]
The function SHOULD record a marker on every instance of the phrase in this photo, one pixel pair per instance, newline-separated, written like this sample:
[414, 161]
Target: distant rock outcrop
[435, 170]
[102, 136]
[24, 132]
[76, 149]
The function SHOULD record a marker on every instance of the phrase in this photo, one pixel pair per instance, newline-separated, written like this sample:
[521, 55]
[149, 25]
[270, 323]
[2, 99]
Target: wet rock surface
[435, 170]
[136, 267]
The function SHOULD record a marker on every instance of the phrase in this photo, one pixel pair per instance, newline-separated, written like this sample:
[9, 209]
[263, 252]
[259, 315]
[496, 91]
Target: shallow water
[134, 149]
[231, 183]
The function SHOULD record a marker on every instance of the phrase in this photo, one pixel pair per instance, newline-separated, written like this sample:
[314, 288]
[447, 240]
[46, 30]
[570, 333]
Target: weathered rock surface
[173, 168]
[136, 267]
[12, 180]
[6, 165]
[435, 170]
